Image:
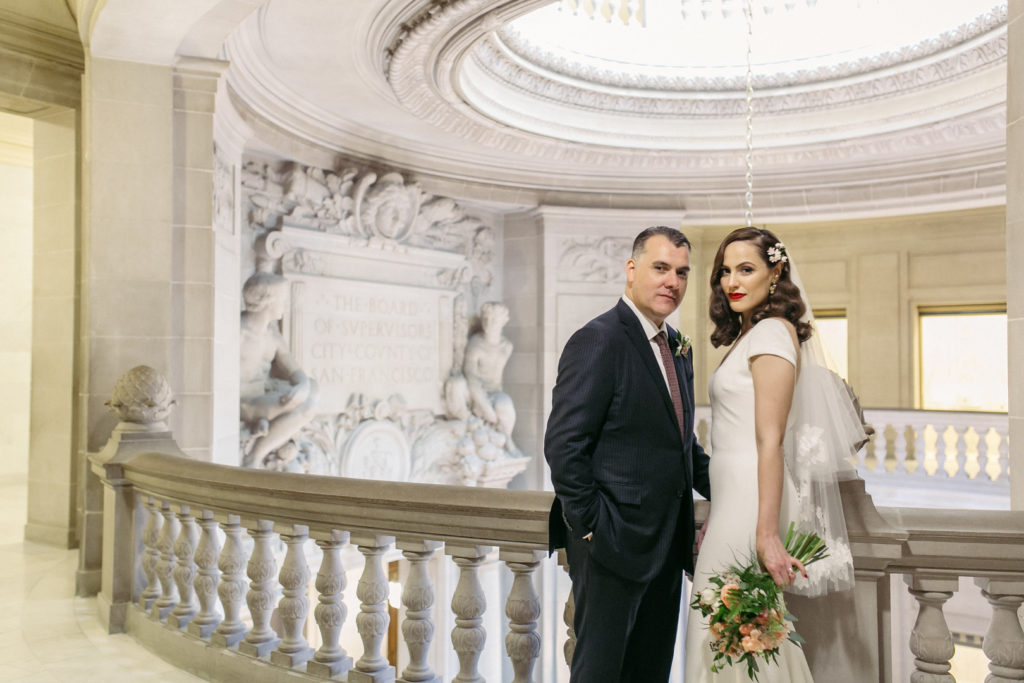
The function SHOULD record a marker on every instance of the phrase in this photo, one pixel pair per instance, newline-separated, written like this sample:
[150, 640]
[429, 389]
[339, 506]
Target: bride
[781, 426]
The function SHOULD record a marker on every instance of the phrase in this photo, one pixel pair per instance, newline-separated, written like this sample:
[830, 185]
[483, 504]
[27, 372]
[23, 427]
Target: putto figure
[277, 398]
[487, 352]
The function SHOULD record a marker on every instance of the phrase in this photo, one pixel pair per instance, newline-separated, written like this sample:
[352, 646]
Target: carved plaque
[358, 338]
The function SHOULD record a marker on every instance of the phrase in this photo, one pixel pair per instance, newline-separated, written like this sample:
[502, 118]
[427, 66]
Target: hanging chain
[749, 196]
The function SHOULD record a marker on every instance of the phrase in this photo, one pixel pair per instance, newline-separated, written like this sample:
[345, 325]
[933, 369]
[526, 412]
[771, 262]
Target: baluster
[702, 433]
[523, 609]
[293, 608]
[206, 580]
[870, 456]
[971, 464]
[951, 439]
[568, 615]
[931, 451]
[261, 639]
[569, 619]
[232, 585]
[910, 463]
[165, 565]
[418, 599]
[889, 464]
[150, 536]
[373, 619]
[930, 640]
[1004, 452]
[992, 466]
[1004, 641]
[331, 659]
[469, 605]
[185, 570]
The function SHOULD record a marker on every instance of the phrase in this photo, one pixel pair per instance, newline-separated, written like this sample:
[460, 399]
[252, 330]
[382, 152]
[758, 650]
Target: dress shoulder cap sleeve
[771, 337]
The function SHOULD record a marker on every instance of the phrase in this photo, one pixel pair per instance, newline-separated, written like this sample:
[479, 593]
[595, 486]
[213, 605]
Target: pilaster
[193, 273]
[53, 468]
[1015, 243]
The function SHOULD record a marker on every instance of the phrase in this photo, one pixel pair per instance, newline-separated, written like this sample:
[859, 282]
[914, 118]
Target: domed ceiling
[860, 106]
[671, 74]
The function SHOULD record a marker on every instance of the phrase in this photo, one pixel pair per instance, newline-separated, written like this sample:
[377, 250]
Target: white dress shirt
[651, 331]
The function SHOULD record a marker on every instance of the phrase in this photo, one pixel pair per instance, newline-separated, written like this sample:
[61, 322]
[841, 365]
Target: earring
[771, 288]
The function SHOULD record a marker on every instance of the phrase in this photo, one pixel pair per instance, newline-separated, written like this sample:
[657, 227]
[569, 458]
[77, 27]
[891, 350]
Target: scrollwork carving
[592, 260]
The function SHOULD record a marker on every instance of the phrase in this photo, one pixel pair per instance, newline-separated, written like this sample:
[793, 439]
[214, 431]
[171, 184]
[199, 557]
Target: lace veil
[824, 432]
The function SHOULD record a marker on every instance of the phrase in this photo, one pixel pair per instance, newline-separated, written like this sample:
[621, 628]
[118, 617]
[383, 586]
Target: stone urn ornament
[142, 398]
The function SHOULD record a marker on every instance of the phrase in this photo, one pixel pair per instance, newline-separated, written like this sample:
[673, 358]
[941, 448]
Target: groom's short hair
[676, 237]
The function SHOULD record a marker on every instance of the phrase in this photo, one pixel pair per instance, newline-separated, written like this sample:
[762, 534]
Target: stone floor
[47, 635]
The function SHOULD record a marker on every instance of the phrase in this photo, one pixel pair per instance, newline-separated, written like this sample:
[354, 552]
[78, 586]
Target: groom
[623, 462]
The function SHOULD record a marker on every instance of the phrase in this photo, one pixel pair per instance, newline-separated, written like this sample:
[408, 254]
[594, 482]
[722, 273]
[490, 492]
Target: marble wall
[16, 283]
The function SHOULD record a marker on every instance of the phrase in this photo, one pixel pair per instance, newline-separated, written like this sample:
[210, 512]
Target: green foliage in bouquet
[746, 611]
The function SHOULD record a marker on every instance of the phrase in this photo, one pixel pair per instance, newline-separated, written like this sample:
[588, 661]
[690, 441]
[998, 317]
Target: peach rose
[727, 598]
[752, 644]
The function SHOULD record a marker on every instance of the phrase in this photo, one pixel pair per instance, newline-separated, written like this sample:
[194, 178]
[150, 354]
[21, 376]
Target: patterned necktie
[673, 379]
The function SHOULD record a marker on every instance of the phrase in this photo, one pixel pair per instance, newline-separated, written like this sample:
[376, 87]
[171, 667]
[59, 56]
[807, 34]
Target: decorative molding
[54, 47]
[417, 65]
[690, 100]
[911, 162]
[539, 56]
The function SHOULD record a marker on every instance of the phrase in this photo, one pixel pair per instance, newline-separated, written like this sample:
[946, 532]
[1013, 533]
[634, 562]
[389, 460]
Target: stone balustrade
[929, 443]
[914, 453]
[208, 565]
[181, 538]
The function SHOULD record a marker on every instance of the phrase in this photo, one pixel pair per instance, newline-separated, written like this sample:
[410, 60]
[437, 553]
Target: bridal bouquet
[746, 612]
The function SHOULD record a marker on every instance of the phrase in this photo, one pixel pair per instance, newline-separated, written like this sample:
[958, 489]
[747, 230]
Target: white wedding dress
[733, 520]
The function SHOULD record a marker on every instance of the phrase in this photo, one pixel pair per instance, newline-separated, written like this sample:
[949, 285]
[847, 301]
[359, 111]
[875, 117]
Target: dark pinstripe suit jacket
[618, 463]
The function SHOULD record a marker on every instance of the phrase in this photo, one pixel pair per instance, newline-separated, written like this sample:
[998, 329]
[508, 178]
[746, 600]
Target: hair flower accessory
[777, 254]
[683, 344]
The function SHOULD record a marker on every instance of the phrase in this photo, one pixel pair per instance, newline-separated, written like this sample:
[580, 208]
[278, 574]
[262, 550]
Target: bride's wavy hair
[784, 303]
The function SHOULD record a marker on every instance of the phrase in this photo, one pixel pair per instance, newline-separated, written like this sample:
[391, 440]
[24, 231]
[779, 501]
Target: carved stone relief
[387, 285]
[223, 193]
[592, 260]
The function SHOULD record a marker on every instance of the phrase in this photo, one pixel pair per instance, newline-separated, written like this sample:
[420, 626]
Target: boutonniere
[683, 344]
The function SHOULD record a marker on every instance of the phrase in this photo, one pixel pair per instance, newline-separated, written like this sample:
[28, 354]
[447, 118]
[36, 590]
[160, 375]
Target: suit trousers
[625, 631]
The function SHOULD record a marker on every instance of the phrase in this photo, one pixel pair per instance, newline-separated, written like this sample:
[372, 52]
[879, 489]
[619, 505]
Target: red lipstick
[736, 296]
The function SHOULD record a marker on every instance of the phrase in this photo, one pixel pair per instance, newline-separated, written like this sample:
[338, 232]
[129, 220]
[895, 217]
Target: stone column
[1015, 242]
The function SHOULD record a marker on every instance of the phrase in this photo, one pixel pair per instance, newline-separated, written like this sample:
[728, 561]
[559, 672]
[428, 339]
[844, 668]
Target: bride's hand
[700, 534]
[777, 562]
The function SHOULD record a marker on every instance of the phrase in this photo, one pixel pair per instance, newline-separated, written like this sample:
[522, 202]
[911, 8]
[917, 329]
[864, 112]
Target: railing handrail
[518, 520]
[511, 519]
[937, 541]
